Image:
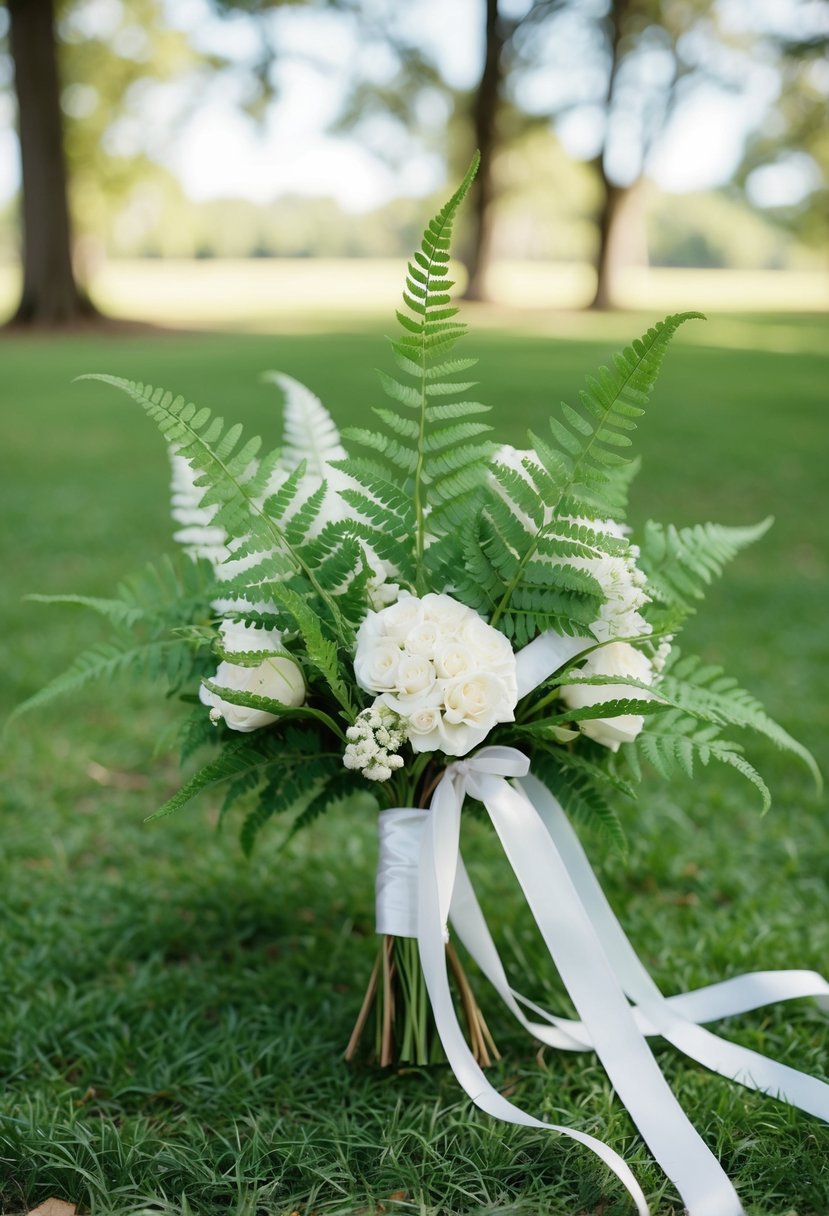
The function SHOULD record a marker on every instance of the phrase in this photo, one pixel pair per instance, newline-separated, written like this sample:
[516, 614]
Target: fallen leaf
[118, 781]
[53, 1207]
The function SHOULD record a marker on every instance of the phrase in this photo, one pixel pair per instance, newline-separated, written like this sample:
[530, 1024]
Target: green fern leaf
[708, 691]
[237, 758]
[119, 614]
[576, 471]
[442, 466]
[681, 562]
[283, 792]
[582, 787]
[675, 742]
[341, 784]
[107, 661]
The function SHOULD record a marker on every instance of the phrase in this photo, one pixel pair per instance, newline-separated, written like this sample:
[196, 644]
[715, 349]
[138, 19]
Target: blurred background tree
[575, 105]
[84, 78]
[793, 144]
[617, 71]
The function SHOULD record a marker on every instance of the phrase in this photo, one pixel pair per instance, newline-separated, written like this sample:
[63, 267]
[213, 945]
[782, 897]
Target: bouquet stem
[404, 1029]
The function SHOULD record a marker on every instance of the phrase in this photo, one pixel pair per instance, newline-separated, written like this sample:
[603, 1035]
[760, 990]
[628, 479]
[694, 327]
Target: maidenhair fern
[432, 441]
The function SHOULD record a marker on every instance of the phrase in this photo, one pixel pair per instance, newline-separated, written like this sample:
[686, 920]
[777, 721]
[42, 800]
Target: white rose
[452, 660]
[239, 637]
[479, 700]
[424, 729]
[415, 676]
[278, 678]
[455, 678]
[398, 619]
[491, 649]
[447, 614]
[424, 720]
[617, 659]
[422, 639]
[376, 665]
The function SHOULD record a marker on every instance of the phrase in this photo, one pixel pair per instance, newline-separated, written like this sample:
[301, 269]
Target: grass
[173, 1016]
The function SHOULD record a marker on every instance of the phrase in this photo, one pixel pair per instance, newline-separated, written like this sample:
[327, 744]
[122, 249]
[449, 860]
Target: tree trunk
[609, 256]
[611, 195]
[485, 118]
[50, 294]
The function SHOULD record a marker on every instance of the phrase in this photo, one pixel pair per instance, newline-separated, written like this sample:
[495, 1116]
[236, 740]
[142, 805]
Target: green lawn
[173, 1016]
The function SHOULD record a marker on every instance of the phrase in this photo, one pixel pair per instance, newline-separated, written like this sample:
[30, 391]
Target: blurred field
[173, 1016]
[284, 293]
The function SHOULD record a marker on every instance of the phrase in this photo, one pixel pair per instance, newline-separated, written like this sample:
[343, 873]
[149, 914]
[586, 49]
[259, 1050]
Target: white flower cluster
[623, 585]
[622, 582]
[438, 665]
[374, 741]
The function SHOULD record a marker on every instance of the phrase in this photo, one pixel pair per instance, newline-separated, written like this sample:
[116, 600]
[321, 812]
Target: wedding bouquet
[424, 616]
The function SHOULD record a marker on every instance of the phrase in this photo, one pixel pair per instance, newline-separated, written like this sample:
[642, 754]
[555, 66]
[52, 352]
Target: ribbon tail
[594, 988]
[469, 924]
[670, 1017]
[436, 876]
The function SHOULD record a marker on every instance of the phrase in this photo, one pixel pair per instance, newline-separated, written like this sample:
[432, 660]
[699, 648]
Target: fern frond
[613, 707]
[271, 706]
[707, 691]
[196, 732]
[198, 534]
[234, 483]
[582, 787]
[681, 562]
[242, 756]
[284, 791]
[321, 651]
[675, 742]
[106, 661]
[429, 441]
[575, 471]
[340, 785]
[119, 614]
[310, 435]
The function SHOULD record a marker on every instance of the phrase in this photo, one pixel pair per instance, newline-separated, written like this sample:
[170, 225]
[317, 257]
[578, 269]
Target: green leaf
[576, 471]
[412, 446]
[681, 562]
[270, 705]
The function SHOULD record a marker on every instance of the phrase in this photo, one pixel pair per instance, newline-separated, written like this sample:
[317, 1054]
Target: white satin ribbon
[436, 877]
[581, 961]
[422, 882]
[395, 898]
[536, 662]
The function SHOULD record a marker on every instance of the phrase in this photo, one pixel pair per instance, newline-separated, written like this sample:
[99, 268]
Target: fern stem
[420, 514]
[419, 496]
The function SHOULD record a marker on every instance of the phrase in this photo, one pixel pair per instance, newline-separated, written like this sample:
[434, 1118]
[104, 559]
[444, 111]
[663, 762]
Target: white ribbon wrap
[422, 882]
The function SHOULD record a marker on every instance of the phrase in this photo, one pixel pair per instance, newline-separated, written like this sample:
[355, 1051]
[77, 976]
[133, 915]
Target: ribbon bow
[600, 971]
